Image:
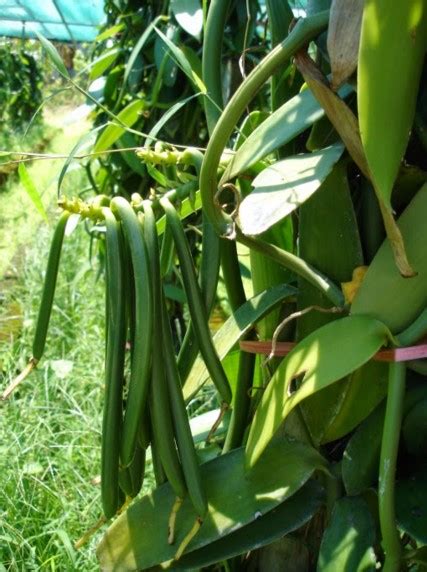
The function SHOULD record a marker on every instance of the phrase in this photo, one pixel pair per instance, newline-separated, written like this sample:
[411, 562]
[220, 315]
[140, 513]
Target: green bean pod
[159, 473]
[114, 366]
[161, 418]
[125, 481]
[144, 437]
[137, 471]
[46, 303]
[208, 276]
[208, 280]
[195, 303]
[132, 477]
[187, 451]
[141, 354]
[167, 252]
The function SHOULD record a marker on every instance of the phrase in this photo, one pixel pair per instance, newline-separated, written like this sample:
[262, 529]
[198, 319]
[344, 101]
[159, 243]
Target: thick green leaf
[181, 60]
[138, 538]
[233, 329]
[343, 38]
[129, 116]
[360, 463]
[284, 186]
[31, 190]
[411, 506]
[384, 293]
[360, 393]
[189, 15]
[329, 214]
[287, 517]
[53, 55]
[348, 541]
[415, 429]
[322, 358]
[291, 119]
[391, 55]
[101, 64]
[251, 122]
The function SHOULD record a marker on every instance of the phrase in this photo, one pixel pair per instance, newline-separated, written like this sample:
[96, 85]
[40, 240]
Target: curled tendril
[231, 229]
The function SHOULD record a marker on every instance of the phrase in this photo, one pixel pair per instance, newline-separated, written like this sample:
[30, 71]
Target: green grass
[19, 219]
[50, 427]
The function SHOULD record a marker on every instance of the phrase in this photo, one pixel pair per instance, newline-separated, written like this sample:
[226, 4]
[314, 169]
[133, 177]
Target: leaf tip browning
[397, 243]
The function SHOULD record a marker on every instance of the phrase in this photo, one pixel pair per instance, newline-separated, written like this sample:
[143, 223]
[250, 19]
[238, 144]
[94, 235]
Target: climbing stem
[297, 265]
[389, 449]
[303, 32]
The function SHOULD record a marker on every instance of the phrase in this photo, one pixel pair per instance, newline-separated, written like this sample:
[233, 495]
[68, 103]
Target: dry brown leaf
[339, 114]
[345, 23]
[347, 126]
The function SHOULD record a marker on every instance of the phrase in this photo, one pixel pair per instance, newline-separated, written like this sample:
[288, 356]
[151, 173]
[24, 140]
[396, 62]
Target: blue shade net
[62, 20]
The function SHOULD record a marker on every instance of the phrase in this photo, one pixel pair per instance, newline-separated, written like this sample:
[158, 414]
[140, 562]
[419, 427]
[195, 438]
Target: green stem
[415, 331]
[231, 274]
[297, 265]
[304, 31]
[280, 17]
[208, 276]
[237, 297]
[212, 77]
[211, 60]
[389, 449]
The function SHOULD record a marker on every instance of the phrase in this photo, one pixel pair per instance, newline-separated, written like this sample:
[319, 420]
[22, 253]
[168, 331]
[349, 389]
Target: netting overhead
[64, 20]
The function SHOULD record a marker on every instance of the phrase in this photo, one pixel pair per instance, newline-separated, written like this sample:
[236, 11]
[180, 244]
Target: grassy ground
[50, 428]
[18, 218]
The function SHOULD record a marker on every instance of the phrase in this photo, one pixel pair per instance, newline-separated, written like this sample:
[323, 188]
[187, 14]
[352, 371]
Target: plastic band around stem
[390, 355]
